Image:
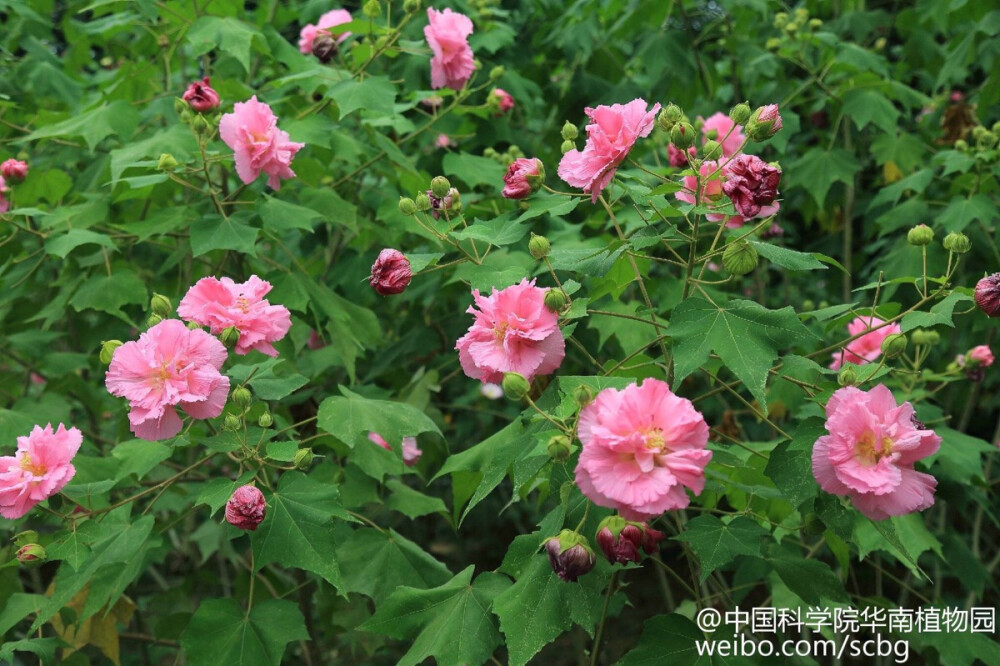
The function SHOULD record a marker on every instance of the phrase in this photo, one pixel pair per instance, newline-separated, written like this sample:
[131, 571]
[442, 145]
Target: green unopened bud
[922, 336]
[423, 202]
[242, 397]
[682, 135]
[920, 235]
[986, 140]
[978, 131]
[567, 146]
[161, 305]
[303, 458]
[583, 395]
[772, 44]
[740, 113]
[153, 320]
[555, 300]
[847, 377]
[31, 555]
[711, 134]
[894, 345]
[780, 20]
[569, 131]
[193, 326]
[816, 24]
[200, 125]
[559, 447]
[411, 6]
[108, 348]
[957, 242]
[539, 246]
[740, 258]
[180, 106]
[25, 537]
[664, 122]
[515, 386]
[801, 14]
[673, 113]
[490, 153]
[230, 337]
[232, 423]
[167, 162]
[880, 43]
[515, 151]
[265, 420]
[792, 28]
[497, 72]
[372, 9]
[808, 305]
[440, 186]
[712, 149]
[407, 206]
[961, 145]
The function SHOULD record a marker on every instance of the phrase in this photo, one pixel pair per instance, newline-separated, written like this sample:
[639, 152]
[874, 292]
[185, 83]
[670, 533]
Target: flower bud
[847, 376]
[303, 458]
[780, 20]
[232, 423]
[265, 420]
[411, 6]
[816, 24]
[167, 162]
[740, 258]
[712, 149]
[515, 386]
[957, 243]
[920, 336]
[682, 135]
[961, 145]
[497, 72]
[808, 305]
[242, 397]
[740, 113]
[193, 326]
[14, 171]
[569, 131]
[559, 447]
[555, 300]
[772, 44]
[230, 337]
[325, 47]
[764, 123]
[31, 555]
[161, 305]
[407, 206]
[180, 106]
[988, 295]
[583, 395]
[880, 43]
[894, 345]
[567, 146]
[391, 272]
[108, 348]
[423, 202]
[570, 555]
[246, 508]
[372, 9]
[440, 186]
[920, 235]
[200, 125]
[673, 113]
[153, 320]
[539, 246]
[25, 537]
[801, 14]
[201, 97]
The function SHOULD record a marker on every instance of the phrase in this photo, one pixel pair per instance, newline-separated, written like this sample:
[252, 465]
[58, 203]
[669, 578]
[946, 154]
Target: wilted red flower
[201, 96]
[988, 295]
[246, 508]
[523, 177]
[750, 183]
[390, 273]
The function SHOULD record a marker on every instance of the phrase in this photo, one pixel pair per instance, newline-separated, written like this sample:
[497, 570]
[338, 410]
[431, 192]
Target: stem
[252, 578]
[596, 650]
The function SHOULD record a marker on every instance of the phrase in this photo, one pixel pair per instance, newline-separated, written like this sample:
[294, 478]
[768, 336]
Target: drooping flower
[390, 273]
[750, 183]
[169, 366]
[570, 555]
[15, 171]
[447, 34]
[523, 177]
[246, 508]
[870, 452]
[987, 294]
[513, 332]
[621, 540]
[328, 20]
[503, 100]
[39, 469]
[612, 132]
[220, 304]
[678, 157]
[642, 446]
[251, 130]
[201, 97]
[866, 348]
[721, 124]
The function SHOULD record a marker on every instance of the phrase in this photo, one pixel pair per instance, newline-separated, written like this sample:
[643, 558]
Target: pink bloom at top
[722, 124]
[513, 332]
[448, 36]
[866, 348]
[870, 451]
[220, 304]
[39, 469]
[251, 130]
[246, 508]
[328, 20]
[169, 365]
[201, 96]
[642, 446]
[612, 132]
[14, 170]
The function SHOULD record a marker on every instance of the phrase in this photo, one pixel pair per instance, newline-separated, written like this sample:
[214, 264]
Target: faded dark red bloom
[750, 183]
[439, 204]
[390, 273]
[14, 171]
[246, 508]
[201, 97]
[620, 539]
[569, 561]
[988, 295]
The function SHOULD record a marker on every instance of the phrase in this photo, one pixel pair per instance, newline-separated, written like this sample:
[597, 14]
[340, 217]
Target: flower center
[654, 439]
[243, 304]
[31, 467]
[500, 331]
[870, 451]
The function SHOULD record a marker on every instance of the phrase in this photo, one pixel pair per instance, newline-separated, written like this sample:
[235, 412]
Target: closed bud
[325, 47]
[740, 258]
[440, 186]
[583, 395]
[265, 420]
[108, 348]
[816, 24]
[567, 146]
[167, 162]
[514, 385]
[200, 125]
[180, 106]
[808, 305]
[682, 135]
[894, 345]
[957, 242]
[539, 246]
[961, 145]
[772, 44]
[423, 202]
[792, 28]
[847, 377]
[987, 295]
[569, 555]
[920, 235]
[801, 14]
[372, 9]
[920, 336]
[25, 537]
[712, 149]
[569, 131]
[559, 447]
[303, 458]
[880, 43]
[764, 123]
[555, 300]
[230, 337]
[193, 326]
[242, 397]
[780, 20]
[407, 206]
[740, 113]
[161, 305]
[232, 423]
[31, 555]
[673, 113]
[497, 72]
[246, 508]
[411, 6]
[153, 320]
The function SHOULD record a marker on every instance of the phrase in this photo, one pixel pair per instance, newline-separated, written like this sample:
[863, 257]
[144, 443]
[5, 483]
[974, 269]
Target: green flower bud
[423, 202]
[497, 72]
[583, 395]
[559, 447]
[372, 9]
[740, 258]
[961, 145]
[780, 20]
[567, 146]
[515, 386]
[920, 235]
[407, 206]
[31, 555]
[242, 397]
[957, 243]
[490, 153]
[232, 423]
[193, 326]
[167, 162]
[711, 150]
[894, 345]
[801, 14]
[200, 125]
[440, 186]
[230, 337]
[265, 420]
[922, 336]
[411, 6]
[108, 348]
[682, 135]
[539, 246]
[740, 113]
[303, 458]
[847, 377]
[792, 28]
[555, 300]
[569, 131]
[772, 44]
[673, 113]
[161, 305]
[808, 305]
[180, 106]
[515, 151]
[25, 537]
[153, 320]
[816, 24]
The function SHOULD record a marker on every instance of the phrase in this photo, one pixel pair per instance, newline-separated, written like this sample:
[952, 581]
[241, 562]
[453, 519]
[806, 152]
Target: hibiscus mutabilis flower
[447, 34]
[251, 130]
[331, 19]
[39, 469]
[866, 348]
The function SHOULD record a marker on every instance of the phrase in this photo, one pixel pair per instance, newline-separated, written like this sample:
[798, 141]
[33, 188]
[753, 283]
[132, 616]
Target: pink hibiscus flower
[220, 304]
[642, 446]
[39, 469]
[612, 132]
[722, 124]
[712, 193]
[251, 130]
[448, 36]
[411, 452]
[329, 20]
[169, 365]
[870, 451]
[513, 332]
[868, 347]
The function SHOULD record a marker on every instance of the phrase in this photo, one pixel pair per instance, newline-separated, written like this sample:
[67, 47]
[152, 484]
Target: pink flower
[39, 469]
[220, 304]
[866, 348]
[251, 130]
[721, 124]
[503, 99]
[766, 122]
[442, 141]
[750, 183]
[246, 508]
[390, 273]
[448, 36]
[523, 177]
[169, 365]
[678, 157]
[4, 202]
[711, 189]
[328, 20]
[14, 171]
[982, 355]
[411, 452]
[642, 446]
[201, 96]
[513, 332]
[612, 132]
[870, 451]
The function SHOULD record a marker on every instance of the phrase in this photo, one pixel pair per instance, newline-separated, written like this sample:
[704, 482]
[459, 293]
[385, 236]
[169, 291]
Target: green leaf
[744, 334]
[215, 233]
[220, 632]
[961, 212]
[717, 544]
[451, 623]
[790, 259]
[473, 170]
[960, 457]
[19, 606]
[412, 503]
[282, 451]
[940, 313]
[667, 639]
[498, 231]
[117, 118]
[177, 139]
[278, 215]
[230, 35]
[817, 170]
[790, 463]
[549, 204]
[904, 537]
[813, 581]
[867, 106]
[593, 261]
[110, 293]
[376, 563]
[267, 384]
[43, 648]
[139, 457]
[351, 417]
[376, 95]
[501, 268]
[63, 244]
[298, 528]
